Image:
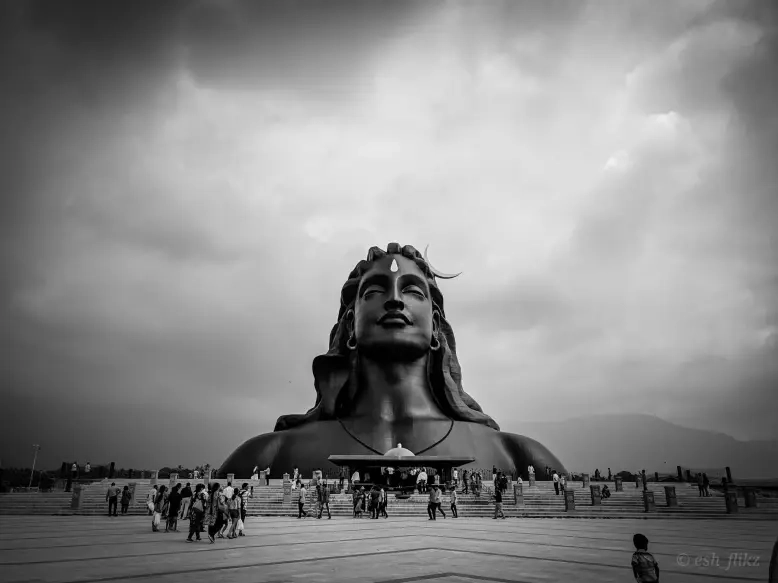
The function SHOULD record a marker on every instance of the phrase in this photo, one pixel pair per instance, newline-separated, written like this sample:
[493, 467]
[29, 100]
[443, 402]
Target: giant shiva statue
[391, 375]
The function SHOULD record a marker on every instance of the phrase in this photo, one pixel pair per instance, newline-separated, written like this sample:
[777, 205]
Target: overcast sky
[185, 188]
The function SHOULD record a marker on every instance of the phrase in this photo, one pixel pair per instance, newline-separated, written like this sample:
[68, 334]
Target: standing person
[255, 473]
[227, 493]
[439, 501]
[382, 503]
[644, 565]
[186, 501]
[126, 499]
[267, 476]
[151, 497]
[112, 497]
[354, 479]
[197, 513]
[562, 483]
[555, 478]
[341, 477]
[159, 504]
[74, 471]
[324, 500]
[431, 504]
[498, 504]
[421, 481]
[700, 484]
[375, 498]
[301, 500]
[87, 468]
[295, 477]
[465, 476]
[494, 473]
[357, 501]
[454, 503]
[705, 484]
[174, 506]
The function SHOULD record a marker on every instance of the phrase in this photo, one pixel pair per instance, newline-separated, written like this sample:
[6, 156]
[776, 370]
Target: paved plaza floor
[398, 550]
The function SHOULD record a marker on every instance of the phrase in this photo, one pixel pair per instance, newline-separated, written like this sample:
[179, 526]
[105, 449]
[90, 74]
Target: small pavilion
[401, 460]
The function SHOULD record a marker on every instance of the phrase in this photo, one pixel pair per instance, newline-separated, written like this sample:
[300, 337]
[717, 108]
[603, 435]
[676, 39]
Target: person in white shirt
[555, 477]
[150, 498]
[354, 478]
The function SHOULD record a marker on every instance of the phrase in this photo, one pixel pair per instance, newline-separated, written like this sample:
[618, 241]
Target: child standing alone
[644, 565]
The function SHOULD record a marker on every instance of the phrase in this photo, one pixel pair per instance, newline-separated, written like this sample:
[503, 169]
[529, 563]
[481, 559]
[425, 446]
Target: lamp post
[37, 448]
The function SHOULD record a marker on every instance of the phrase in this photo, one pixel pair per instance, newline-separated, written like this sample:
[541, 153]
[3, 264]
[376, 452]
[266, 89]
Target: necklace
[355, 438]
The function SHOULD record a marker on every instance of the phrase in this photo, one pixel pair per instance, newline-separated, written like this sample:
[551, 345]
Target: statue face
[393, 316]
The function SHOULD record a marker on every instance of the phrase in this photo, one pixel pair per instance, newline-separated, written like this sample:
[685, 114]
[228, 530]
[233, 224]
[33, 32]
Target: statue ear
[435, 322]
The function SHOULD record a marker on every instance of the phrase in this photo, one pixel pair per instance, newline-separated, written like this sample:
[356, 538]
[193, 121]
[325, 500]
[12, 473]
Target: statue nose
[394, 303]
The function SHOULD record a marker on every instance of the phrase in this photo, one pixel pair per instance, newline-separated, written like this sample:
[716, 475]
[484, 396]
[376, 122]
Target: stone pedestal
[670, 496]
[656, 476]
[729, 474]
[132, 486]
[75, 499]
[569, 500]
[730, 501]
[680, 473]
[153, 478]
[531, 480]
[649, 504]
[518, 494]
[596, 495]
[230, 477]
[750, 496]
[619, 483]
[287, 489]
[173, 480]
[262, 478]
[688, 475]
[585, 480]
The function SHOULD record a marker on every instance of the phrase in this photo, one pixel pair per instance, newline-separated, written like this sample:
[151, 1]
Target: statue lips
[394, 319]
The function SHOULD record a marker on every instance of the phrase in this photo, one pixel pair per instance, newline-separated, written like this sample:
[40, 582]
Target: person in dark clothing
[465, 478]
[126, 499]
[705, 484]
[174, 505]
[197, 513]
[375, 495]
[323, 492]
[186, 501]
[498, 504]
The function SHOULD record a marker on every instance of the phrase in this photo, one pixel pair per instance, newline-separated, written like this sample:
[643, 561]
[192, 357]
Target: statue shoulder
[530, 451]
[259, 451]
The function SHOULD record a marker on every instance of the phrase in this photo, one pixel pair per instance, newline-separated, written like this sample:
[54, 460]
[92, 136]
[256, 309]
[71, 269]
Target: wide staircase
[540, 501]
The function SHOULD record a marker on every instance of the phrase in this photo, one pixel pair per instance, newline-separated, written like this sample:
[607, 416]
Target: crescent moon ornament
[435, 272]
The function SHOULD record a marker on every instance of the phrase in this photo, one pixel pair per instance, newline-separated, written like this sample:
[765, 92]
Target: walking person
[465, 476]
[439, 500]
[159, 504]
[705, 484]
[700, 484]
[498, 504]
[375, 497]
[357, 501]
[112, 497]
[186, 501]
[555, 478]
[197, 512]
[301, 500]
[431, 504]
[324, 500]
[245, 494]
[151, 497]
[174, 505]
[126, 499]
[233, 508]
[214, 515]
[382, 503]
[454, 503]
[421, 481]
[644, 565]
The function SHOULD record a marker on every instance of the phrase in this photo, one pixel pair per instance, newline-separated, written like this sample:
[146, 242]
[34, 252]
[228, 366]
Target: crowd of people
[220, 510]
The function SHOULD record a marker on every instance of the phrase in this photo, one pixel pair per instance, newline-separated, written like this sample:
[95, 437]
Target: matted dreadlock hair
[335, 375]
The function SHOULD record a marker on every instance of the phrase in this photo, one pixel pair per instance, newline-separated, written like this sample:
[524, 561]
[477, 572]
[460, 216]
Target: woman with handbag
[197, 512]
[159, 503]
[233, 507]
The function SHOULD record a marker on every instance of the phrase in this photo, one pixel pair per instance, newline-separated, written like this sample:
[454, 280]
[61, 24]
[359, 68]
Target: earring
[351, 343]
[435, 345]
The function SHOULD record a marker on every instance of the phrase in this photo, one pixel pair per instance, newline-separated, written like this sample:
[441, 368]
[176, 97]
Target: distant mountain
[633, 442]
